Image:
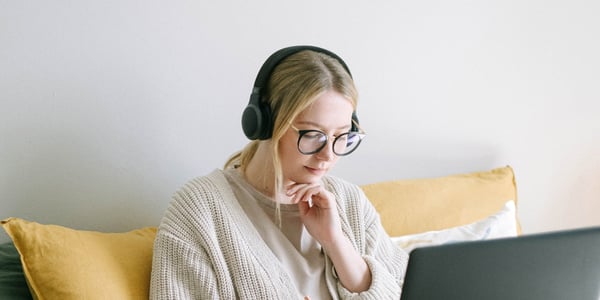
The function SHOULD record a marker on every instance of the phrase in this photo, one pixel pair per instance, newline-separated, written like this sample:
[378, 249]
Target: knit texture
[207, 248]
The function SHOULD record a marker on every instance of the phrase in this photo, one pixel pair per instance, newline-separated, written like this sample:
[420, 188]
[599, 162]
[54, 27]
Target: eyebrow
[345, 127]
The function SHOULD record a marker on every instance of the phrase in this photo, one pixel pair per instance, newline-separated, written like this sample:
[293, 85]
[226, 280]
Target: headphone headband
[257, 119]
[262, 78]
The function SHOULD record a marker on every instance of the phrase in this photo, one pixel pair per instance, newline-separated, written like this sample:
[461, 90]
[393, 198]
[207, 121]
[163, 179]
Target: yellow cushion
[63, 263]
[420, 205]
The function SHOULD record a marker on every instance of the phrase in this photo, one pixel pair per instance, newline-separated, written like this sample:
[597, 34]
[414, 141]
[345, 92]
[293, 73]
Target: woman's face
[331, 113]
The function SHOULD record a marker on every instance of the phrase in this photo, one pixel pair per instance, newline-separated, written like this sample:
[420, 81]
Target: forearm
[352, 270]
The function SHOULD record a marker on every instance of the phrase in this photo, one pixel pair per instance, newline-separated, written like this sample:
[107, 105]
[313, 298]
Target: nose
[326, 154]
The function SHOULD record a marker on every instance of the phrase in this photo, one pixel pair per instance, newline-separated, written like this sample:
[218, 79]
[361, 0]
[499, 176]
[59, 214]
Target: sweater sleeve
[182, 272]
[386, 261]
[183, 264]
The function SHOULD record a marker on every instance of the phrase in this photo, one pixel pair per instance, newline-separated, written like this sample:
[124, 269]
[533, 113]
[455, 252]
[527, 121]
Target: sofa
[45, 261]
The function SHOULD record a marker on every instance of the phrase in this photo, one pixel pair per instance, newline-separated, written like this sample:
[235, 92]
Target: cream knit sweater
[207, 248]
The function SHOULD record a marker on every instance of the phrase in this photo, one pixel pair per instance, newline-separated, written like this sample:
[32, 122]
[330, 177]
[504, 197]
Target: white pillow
[499, 225]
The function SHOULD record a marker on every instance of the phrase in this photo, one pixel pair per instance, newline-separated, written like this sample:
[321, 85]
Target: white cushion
[499, 225]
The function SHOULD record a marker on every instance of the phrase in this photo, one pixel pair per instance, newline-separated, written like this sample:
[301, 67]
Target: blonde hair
[293, 86]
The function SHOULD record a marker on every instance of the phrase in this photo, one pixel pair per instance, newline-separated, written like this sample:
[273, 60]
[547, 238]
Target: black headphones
[257, 119]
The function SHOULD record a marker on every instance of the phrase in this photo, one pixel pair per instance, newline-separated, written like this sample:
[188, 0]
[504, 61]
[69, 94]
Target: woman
[272, 224]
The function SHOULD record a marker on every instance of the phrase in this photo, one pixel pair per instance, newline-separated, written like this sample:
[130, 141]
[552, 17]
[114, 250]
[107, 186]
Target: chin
[311, 178]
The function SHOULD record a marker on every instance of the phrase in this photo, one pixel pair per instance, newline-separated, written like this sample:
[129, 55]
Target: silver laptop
[561, 265]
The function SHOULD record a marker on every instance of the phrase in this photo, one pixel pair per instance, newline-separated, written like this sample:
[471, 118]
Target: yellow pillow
[63, 263]
[420, 205]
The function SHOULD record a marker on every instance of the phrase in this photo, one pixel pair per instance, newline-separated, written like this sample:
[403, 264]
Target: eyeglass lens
[312, 141]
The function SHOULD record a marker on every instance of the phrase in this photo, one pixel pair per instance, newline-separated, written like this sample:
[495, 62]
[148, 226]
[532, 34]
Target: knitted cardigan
[207, 248]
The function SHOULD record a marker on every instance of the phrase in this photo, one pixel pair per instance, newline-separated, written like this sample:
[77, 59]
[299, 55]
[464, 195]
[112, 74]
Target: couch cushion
[499, 225]
[63, 263]
[419, 205]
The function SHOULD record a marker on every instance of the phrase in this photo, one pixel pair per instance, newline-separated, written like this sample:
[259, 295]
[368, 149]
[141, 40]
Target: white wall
[107, 107]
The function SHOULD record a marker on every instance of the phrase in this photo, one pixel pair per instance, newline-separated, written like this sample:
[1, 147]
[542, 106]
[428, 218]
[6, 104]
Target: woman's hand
[318, 211]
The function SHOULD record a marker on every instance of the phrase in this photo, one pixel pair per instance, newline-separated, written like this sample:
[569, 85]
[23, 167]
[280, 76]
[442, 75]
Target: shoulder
[205, 187]
[200, 196]
[196, 204]
[215, 178]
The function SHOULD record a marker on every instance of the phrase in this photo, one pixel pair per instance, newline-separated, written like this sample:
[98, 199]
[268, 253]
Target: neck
[259, 172]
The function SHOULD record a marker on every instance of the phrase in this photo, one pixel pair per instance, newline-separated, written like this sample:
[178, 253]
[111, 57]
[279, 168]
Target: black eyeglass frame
[361, 134]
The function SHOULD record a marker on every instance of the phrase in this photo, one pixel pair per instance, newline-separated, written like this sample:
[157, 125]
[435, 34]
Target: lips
[316, 171]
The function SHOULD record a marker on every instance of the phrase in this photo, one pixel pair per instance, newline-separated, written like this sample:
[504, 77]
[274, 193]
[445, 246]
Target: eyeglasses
[312, 141]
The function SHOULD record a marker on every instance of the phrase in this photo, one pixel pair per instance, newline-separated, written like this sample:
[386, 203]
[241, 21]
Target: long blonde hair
[293, 86]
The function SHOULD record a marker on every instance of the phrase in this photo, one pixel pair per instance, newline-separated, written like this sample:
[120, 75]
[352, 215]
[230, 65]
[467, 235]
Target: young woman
[272, 224]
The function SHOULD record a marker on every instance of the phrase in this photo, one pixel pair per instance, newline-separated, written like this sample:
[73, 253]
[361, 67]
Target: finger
[298, 192]
[318, 197]
[295, 188]
[308, 194]
[303, 207]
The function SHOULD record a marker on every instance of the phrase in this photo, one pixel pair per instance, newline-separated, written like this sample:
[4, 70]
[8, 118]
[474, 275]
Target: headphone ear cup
[256, 120]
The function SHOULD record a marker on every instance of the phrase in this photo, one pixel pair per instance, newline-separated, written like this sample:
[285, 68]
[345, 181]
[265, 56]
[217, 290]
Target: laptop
[556, 265]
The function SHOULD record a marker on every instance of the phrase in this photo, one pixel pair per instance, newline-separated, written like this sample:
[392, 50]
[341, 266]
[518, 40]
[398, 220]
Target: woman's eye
[313, 135]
